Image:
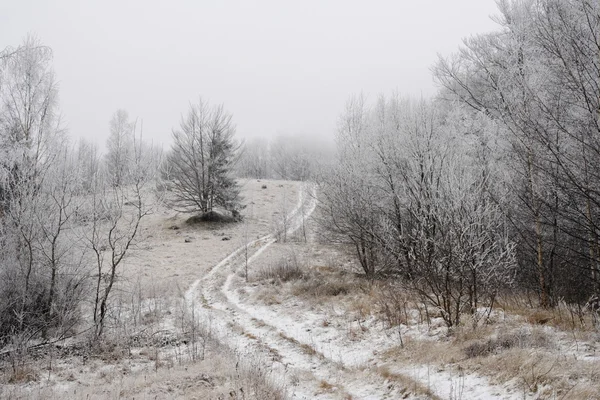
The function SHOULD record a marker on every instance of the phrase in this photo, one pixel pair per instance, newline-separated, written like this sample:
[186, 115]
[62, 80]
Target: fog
[279, 67]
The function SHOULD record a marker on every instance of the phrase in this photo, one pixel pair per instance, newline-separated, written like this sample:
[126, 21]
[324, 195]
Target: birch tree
[30, 140]
[538, 78]
[116, 213]
[119, 147]
[201, 160]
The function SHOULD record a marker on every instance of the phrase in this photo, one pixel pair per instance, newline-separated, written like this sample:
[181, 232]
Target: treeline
[287, 157]
[494, 184]
[69, 215]
[64, 227]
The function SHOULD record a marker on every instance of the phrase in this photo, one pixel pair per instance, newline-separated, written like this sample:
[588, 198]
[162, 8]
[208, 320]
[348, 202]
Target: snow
[456, 384]
[312, 359]
[303, 344]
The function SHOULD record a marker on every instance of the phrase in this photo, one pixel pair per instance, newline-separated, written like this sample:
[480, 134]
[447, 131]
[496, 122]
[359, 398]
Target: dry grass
[409, 385]
[22, 374]
[393, 303]
[520, 339]
[566, 317]
[250, 336]
[269, 295]
[223, 374]
[258, 322]
[545, 373]
[307, 349]
[318, 285]
[149, 362]
[527, 355]
[284, 270]
[504, 348]
[421, 352]
[326, 387]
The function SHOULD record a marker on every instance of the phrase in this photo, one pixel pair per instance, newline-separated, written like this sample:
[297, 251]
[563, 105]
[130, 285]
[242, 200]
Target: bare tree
[537, 78]
[254, 160]
[88, 160]
[115, 216]
[348, 198]
[201, 161]
[120, 147]
[58, 203]
[30, 141]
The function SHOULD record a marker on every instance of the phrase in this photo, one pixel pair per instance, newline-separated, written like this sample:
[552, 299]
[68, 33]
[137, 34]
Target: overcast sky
[280, 67]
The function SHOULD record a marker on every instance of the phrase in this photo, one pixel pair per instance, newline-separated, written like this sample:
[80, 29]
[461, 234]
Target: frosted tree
[119, 147]
[254, 159]
[29, 121]
[201, 161]
[31, 140]
[88, 160]
[537, 78]
[115, 214]
[349, 197]
[409, 197]
[58, 252]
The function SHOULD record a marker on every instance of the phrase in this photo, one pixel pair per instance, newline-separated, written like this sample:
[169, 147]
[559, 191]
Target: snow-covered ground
[318, 353]
[309, 348]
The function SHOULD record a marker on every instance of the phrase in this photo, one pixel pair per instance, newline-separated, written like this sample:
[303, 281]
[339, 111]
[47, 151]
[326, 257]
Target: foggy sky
[280, 67]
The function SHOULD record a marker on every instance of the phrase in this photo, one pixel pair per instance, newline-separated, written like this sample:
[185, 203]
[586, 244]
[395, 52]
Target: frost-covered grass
[185, 323]
[372, 324]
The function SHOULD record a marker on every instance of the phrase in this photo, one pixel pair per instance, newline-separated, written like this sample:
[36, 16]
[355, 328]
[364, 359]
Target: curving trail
[310, 367]
[302, 365]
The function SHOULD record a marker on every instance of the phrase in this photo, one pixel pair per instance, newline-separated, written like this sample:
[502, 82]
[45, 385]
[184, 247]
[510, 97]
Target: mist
[279, 68]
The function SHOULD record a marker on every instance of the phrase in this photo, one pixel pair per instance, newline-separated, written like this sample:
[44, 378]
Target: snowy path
[308, 373]
[308, 366]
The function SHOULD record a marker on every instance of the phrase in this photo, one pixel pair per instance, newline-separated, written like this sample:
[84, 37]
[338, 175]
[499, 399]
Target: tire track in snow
[328, 361]
[349, 357]
[294, 353]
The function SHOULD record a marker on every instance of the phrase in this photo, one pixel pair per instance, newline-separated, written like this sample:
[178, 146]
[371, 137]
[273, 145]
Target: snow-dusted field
[189, 282]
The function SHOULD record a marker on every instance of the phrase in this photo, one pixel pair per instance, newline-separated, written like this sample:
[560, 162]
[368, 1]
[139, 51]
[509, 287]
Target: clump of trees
[68, 217]
[120, 147]
[537, 80]
[33, 201]
[410, 195]
[491, 185]
[287, 157]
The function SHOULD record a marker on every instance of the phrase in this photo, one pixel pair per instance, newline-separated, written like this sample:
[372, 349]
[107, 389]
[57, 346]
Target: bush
[210, 216]
[520, 339]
